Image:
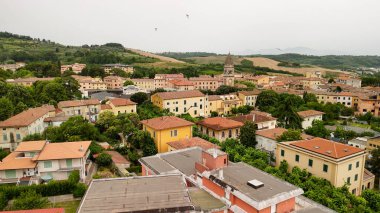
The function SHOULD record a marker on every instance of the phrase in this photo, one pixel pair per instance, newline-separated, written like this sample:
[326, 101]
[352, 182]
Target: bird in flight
[187, 15]
[155, 28]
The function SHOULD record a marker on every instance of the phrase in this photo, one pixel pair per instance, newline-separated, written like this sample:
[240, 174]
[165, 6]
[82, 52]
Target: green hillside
[343, 62]
[16, 48]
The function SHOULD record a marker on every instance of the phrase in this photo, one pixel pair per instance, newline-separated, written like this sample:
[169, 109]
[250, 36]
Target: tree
[290, 135]
[318, 129]
[266, 100]
[373, 199]
[3, 154]
[33, 137]
[248, 134]
[20, 107]
[139, 97]
[224, 89]
[309, 97]
[374, 161]
[6, 108]
[29, 200]
[104, 160]
[286, 112]
[128, 82]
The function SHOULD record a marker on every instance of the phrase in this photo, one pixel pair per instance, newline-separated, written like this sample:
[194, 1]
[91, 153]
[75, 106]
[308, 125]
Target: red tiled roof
[326, 147]
[65, 150]
[51, 210]
[13, 161]
[220, 123]
[27, 117]
[192, 142]
[276, 132]
[166, 122]
[180, 94]
[180, 82]
[249, 93]
[254, 116]
[76, 103]
[121, 102]
[308, 113]
[214, 97]
[105, 106]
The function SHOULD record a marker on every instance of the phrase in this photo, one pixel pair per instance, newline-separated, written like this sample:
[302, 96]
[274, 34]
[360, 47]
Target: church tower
[229, 71]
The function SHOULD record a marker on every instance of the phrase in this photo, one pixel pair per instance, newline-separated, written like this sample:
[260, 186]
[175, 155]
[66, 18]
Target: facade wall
[243, 205]
[147, 84]
[286, 206]
[267, 144]
[196, 107]
[267, 125]
[83, 111]
[213, 187]
[221, 135]
[216, 106]
[307, 122]
[338, 172]
[162, 137]
[123, 109]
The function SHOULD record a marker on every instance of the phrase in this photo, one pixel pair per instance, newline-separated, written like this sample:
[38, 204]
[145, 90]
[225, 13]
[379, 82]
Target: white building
[309, 116]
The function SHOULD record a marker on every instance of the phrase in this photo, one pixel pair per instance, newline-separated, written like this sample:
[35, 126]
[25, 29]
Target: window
[349, 167]
[184, 109]
[167, 103]
[195, 104]
[154, 134]
[47, 164]
[176, 109]
[356, 177]
[230, 133]
[310, 162]
[195, 112]
[325, 168]
[200, 106]
[282, 152]
[357, 164]
[222, 134]
[349, 180]
[5, 138]
[297, 158]
[18, 136]
[69, 163]
[10, 173]
[173, 133]
[184, 101]
[354, 191]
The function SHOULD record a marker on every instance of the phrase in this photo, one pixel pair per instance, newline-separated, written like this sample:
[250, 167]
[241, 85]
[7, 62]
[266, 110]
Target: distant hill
[17, 48]
[344, 62]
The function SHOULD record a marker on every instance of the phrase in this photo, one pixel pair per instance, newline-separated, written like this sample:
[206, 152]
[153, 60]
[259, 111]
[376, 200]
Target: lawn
[69, 206]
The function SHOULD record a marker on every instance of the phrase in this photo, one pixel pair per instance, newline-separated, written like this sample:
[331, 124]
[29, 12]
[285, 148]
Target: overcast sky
[239, 26]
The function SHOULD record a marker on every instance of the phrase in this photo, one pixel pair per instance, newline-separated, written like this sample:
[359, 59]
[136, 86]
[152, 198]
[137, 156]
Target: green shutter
[10, 173]
[69, 163]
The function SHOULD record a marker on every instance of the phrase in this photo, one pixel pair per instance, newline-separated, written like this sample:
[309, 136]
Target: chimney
[253, 117]
[214, 153]
[81, 148]
[221, 174]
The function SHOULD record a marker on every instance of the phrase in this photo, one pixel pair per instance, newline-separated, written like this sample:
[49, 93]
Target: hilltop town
[104, 128]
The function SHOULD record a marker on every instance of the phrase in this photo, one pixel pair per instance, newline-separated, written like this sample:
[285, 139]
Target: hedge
[135, 169]
[53, 188]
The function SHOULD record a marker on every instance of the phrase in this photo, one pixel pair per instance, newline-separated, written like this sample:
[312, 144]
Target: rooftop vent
[255, 184]
[345, 150]
[328, 151]
[316, 147]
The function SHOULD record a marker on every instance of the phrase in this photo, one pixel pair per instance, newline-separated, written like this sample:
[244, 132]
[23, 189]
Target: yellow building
[249, 97]
[373, 143]
[215, 104]
[229, 102]
[167, 129]
[335, 162]
[193, 102]
[119, 105]
[258, 80]
[144, 83]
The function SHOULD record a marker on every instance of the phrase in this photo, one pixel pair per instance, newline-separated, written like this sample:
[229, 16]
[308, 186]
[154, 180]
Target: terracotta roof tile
[15, 161]
[66, 150]
[181, 82]
[166, 122]
[121, 102]
[180, 94]
[75, 103]
[50, 210]
[326, 147]
[28, 146]
[220, 123]
[105, 106]
[27, 117]
[254, 116]
[276, 132]
[249, 93]
[308, 113]
[214, 97]
[192, 142]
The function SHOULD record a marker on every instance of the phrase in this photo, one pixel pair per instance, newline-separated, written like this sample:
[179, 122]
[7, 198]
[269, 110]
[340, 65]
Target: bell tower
[229, 71]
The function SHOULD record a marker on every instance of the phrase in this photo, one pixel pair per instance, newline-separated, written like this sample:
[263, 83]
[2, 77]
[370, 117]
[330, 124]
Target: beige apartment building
[27, 82]
[335, 162]
[192, 101]
[144, 83]
[89, 83]
[249, 97]
[12, 67]
[126, 68]
[88, 109]
[220, 128]
[119, 105]
[114, 82]
[31, 121]
[180, 84]
[76, 68]
[260, 80]
[206, 82]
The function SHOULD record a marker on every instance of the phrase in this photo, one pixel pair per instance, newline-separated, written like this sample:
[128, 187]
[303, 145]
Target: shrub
[104, 159]
[30, 200]
[135, 169]
[79, 190]
[74, 177]
[3, 200]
